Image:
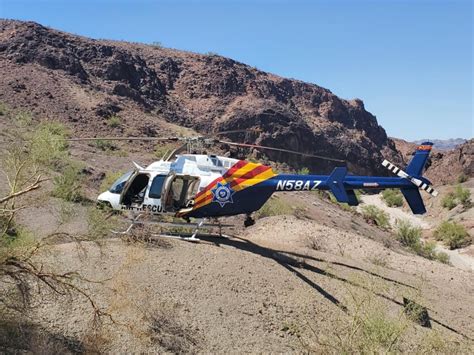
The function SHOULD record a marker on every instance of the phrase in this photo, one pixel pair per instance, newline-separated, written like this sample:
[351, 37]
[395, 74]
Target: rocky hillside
[443, 144]
[83, 81]
[444, 167]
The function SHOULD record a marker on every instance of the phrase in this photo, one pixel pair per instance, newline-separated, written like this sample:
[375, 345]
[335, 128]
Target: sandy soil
[460, 258]
[264, 288]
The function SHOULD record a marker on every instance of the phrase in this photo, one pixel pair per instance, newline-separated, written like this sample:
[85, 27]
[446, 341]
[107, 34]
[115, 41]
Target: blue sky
[410, 61]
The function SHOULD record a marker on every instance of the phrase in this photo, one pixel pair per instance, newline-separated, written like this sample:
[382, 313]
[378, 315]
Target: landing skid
[181, 236]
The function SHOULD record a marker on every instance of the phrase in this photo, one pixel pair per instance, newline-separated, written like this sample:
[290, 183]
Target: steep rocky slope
[83, 81]
[443, 144]
[444, 167]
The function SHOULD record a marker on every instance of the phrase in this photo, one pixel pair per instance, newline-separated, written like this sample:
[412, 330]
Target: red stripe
[252, 173]
[232, 170]
[203, 202]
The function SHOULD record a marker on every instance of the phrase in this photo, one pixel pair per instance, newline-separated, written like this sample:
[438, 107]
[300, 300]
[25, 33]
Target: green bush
[460, 195]
[463, 195]
[303, 171]
[105, 145]
[67, 185]
[49, 146]
[449, 201]
[98, 225]
[114, 121]
[462, 178]
[442, 257]
[392, 197]
[453, 234]
[373, 214]
[3, 109]
[408, 234]
[274, 207]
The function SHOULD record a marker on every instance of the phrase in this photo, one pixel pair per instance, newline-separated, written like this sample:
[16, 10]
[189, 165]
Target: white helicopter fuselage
[155, 182]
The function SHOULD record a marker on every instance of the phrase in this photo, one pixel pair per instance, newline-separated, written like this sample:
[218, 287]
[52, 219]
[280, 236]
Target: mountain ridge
[82, 81]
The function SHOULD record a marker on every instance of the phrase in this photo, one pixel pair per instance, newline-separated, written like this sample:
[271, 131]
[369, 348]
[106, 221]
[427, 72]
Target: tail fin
[417, 163]
[414, 200]
[414, 173]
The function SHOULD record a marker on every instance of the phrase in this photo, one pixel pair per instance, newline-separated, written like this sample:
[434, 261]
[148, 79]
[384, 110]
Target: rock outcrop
[81, 81]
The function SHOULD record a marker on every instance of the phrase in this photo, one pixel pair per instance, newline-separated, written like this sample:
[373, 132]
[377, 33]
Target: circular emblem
[222, 194]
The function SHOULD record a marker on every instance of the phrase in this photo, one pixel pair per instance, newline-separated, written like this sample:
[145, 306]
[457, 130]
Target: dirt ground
[285, 284]
[278, 286]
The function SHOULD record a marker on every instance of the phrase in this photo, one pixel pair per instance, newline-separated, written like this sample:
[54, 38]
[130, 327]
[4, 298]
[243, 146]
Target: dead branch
[27, 189]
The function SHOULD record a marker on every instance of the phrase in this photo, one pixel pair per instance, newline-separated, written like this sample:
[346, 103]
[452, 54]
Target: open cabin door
[134, 190]
[179, 192]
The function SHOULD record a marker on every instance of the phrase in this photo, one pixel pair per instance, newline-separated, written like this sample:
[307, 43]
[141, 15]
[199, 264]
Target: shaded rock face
[446, 167]
[443, 167]
[209, 93]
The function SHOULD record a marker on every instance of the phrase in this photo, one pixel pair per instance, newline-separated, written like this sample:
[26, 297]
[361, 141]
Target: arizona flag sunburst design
[241, 175]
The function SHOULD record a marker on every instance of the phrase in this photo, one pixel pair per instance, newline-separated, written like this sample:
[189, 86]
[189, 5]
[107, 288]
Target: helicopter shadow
[290, 263]
[295, 262]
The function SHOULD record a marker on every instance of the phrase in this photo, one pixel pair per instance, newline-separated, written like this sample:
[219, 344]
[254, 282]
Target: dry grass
[168, 331]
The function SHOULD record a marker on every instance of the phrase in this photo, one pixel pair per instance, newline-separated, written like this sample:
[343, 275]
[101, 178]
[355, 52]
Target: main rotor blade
[246, 145]
[236, 131]
[174, 139]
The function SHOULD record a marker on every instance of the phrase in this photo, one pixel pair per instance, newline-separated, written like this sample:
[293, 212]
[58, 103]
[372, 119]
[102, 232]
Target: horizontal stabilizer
[419, 183]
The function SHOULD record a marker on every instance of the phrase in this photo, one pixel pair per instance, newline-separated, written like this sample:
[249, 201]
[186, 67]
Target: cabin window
[118, 185]
[156, 186]
[136, 191]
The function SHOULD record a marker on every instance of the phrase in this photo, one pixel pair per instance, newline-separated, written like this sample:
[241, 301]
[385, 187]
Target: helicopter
[205, 186]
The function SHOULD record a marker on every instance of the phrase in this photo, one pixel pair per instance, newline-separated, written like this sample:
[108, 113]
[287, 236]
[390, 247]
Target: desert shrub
[463, 195]
[68, 184]
[453, 234]
[274, 207]
[372, 327]
[408, 234]
[373, 214]
[442, 257]
[23, 119]
[156, 44]
[449, 201]
[427, 250]
[3, 109]
[460, 195]
[462, 178]
[99, 224]
[303, 171]
[105, 145]
[49, 146]
[392, 197]
[114, 121]
[25, 163]
[168, 331]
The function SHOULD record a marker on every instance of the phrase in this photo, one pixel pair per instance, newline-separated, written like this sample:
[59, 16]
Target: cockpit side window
[156, 186]
[118, 185]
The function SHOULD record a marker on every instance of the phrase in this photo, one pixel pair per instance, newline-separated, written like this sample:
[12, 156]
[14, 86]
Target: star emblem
[222, 194]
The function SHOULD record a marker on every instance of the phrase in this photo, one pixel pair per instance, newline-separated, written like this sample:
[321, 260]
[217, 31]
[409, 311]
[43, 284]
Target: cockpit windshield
[118, 185]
